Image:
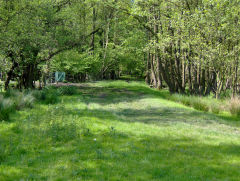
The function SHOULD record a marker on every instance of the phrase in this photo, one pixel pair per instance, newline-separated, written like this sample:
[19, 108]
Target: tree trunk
[11, 71]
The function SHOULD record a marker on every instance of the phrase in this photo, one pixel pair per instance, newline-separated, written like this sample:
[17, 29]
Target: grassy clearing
[118, 131]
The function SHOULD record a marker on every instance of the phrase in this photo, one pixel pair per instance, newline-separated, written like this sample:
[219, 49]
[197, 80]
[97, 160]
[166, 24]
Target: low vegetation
[234, 106]
[73, 105]
[206, 104]
[13, 100]
[117, 131]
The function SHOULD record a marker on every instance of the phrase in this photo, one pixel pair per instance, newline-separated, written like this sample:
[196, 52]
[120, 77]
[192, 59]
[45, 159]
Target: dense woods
[189, 46]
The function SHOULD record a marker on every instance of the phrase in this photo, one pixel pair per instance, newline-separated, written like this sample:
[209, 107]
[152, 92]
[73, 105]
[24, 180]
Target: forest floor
[118, 131]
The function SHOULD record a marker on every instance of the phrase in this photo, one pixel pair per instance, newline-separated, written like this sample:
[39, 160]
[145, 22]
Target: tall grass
[209, 104]
[67, 90]
[51, 94]
[6, 107]
[20, 99]
[48, 95]
[234, 106]
[206, 104]
[14, 100]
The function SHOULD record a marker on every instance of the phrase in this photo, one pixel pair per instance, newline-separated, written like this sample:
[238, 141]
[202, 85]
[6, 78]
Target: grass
[118, 131]
[235, 106]
[206, 104]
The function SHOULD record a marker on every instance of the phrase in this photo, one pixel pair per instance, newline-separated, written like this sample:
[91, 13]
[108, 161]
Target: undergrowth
[13, 99]
[234, 106]
[206, 104]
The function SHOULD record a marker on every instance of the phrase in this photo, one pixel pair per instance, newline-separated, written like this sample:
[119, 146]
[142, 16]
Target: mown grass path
[118, 131]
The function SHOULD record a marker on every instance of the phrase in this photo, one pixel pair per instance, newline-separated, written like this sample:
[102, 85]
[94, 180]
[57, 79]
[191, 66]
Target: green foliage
[205, 104]
[6, 108]
[227, 94]
[23, 100]
[185, 100]
[20, 99]
[234, 106]
[215, 108]
[86, 137]
[62, 131]
[49, 95]
[1, 86]
[198, 104]
[3, 154]
[14, 100]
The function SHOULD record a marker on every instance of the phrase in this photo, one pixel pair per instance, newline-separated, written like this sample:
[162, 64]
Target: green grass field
[118, 131]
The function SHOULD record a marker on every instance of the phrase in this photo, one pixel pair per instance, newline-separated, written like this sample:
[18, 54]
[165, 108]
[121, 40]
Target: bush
[23, 100]
[195, 102]
[1, 86]
[226, 94]
[48, 95]
[38, 95]
[3, 152]
[67, 90]
[6, 107]
[20, 99]
[215, 109]
[185, 100]
[11, 93]
[51, 98]
[234, 106]
[198, 104]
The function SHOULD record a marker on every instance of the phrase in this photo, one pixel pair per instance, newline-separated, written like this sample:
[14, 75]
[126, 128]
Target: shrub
[23, 100]
[1, 86]
[234, 106]
[20, 99]
[226, 94]
[200, 105]
[215, 109]
[67, 90]
[186, 101]
[3, 153]
[6, 107]
[51, 98]
[38, 95]
[14, 100]
[11, 93]
[48, 95]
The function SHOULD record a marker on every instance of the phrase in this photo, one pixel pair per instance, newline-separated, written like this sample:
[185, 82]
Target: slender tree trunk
[93, 29]
[154, 78]
[10, 74]
[11, 71]
[148, 69]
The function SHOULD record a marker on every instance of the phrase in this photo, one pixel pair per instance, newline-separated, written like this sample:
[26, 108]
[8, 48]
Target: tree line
[189, 46]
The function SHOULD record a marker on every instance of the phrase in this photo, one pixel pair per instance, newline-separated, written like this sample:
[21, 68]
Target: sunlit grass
[118, 131]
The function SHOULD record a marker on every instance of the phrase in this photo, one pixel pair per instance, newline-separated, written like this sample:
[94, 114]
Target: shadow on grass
[113, 94]
[42, 148]
[115, 155]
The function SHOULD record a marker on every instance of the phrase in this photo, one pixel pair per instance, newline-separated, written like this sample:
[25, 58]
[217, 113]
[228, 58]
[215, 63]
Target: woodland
[189, 46]
[149, 90]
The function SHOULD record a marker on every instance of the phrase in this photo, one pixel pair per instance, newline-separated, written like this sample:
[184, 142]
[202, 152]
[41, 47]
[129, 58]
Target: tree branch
[73, 45]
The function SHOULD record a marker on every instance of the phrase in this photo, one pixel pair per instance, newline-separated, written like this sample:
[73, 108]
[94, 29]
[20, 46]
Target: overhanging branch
[69, 47]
